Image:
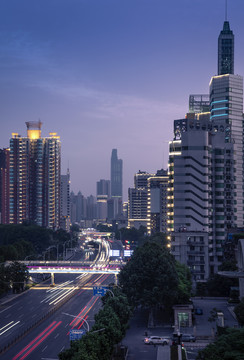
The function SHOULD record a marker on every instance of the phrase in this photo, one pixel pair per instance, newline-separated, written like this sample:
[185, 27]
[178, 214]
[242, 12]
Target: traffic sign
[100, 290]
[76, 334]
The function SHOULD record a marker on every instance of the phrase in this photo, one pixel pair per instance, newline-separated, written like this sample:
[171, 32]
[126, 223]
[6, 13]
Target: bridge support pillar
[116, 279]
[52, 279]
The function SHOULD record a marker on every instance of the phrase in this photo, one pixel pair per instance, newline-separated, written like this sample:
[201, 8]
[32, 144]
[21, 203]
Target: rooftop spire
[226, 49]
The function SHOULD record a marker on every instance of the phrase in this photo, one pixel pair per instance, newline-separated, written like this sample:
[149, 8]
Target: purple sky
[108, 74]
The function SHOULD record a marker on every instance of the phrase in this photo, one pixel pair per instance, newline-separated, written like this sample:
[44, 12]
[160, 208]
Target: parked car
[183, 338]
[188, 337]
[156, 340]
[198, 311]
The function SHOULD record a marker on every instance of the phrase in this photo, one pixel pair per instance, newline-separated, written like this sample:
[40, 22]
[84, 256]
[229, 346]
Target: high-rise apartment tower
[35, 178]
[65, 201]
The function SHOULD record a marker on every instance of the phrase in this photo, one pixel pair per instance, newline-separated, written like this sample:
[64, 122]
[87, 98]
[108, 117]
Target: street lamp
[66, 242]
[88, 328]
[48, 249]
[28, 256]
[79, 317]
[110, 292]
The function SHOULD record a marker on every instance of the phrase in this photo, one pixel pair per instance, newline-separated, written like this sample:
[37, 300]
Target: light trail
[88, 311]
[60, 286]
[50, 297]
[6, 325]
[32, 342]
[61, 297]
[40, 341]
[10, 327]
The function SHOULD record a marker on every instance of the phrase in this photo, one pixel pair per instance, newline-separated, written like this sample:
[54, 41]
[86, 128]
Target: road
[51, 335]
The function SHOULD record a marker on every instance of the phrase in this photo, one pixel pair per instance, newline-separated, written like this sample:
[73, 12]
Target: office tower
[116, 175]
[91, 208]
[226, 50]
[81, 207]
[206, 174]
[73, 207]
[138, 200]
[65, 201]
[226, 97]
[188, 196]
[157, 187]
[4, 186]
[103, 187]
[103, 195]
[78, 207]
[35, 178]
[115, 203]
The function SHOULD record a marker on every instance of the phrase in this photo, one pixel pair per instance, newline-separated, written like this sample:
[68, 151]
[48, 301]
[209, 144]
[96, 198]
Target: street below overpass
[39, 305]
[36, 324]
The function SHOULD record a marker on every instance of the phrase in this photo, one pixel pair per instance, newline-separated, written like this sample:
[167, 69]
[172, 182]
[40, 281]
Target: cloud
[18, 49]
[106, 105]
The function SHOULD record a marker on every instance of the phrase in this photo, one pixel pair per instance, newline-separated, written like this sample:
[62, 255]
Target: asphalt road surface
[52, 335]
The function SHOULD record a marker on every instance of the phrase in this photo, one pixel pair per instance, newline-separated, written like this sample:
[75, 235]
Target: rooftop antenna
[225, 10]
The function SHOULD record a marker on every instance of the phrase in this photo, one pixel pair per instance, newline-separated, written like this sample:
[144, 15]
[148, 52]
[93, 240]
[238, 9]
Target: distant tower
[116, 175]
[115, 203]
[65, 201]
[138, 200]
[103, 194]
[226, 50]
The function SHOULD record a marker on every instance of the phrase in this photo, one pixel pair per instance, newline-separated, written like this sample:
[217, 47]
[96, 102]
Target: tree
[228, 265]
[18, 274]
[120, 305]
[239, 311]
[4, 279]
[75, 227]
[218, 285]
[185, 283]
[229, 346]
[213, 315]
[136, 237]
[150, 277]
[160, 238]
[108, 330]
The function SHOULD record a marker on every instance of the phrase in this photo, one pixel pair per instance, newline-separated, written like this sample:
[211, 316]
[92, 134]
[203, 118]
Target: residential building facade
[34, 174]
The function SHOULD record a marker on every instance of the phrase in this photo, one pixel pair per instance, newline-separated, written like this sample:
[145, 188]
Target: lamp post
[110, 291]
[79, 317]
[66, 242]
[88, 328]
[28, 256]
[48, 249]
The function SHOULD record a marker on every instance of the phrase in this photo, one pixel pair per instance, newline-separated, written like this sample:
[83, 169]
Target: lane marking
[44, 348]
[6, 309]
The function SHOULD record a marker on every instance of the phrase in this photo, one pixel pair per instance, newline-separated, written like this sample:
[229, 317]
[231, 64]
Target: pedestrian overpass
[69, 267]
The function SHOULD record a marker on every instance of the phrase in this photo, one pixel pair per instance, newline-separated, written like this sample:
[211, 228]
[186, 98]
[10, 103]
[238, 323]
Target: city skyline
[106, 75]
